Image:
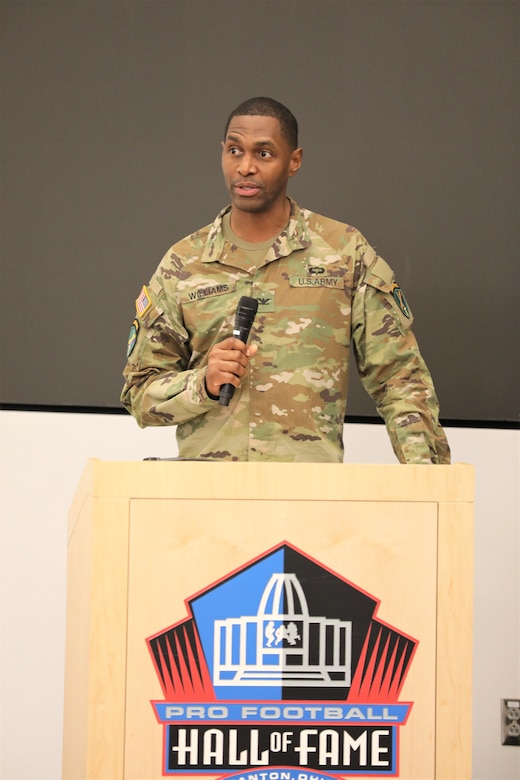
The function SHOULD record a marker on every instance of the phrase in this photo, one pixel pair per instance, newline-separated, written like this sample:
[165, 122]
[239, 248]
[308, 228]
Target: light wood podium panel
[145, 538]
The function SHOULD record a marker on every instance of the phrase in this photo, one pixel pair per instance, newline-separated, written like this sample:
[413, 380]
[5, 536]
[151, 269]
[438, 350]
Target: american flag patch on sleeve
[143, 302]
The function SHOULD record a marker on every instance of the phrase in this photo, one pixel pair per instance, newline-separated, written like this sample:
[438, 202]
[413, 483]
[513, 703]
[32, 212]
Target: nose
[246, 164]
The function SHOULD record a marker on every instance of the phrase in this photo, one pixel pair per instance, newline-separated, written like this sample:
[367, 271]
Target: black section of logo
[333, 598]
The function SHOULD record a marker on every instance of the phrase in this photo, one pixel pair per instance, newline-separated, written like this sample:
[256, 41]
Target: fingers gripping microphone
[244, 317]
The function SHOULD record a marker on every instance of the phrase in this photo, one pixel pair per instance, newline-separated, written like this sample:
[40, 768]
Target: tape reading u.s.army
[316, 281]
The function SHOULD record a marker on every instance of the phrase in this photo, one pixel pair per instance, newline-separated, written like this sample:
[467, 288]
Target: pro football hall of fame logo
[281, 671]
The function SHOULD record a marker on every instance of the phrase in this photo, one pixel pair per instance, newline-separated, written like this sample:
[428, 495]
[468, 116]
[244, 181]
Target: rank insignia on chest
[400, 299]
[265, 300]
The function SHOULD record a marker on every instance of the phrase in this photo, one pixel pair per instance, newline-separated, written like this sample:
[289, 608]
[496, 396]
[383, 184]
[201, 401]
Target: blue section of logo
[230, 641]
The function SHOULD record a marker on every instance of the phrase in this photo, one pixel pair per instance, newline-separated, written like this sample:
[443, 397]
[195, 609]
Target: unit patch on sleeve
[400, 299]
[132, 337]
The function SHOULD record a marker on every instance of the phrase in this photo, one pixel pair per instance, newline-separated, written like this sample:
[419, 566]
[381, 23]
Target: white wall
[42, 457]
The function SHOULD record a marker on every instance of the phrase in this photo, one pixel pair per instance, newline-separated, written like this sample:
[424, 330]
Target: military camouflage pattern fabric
[319, 287]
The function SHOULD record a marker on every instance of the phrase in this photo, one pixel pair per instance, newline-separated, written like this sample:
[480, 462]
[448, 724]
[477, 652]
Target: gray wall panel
[112, 115]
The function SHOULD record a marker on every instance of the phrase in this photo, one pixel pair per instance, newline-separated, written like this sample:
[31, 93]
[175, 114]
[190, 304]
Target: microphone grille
[248, 303]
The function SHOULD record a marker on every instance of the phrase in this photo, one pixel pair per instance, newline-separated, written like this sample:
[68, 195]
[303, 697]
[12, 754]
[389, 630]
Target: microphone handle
[227, 390]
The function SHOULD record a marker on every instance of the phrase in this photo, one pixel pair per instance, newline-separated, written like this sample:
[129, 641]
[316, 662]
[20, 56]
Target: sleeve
[391, 367]
[160, 387]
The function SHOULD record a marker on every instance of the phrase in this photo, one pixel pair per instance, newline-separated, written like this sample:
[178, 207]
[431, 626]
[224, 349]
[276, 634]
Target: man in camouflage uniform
[319, 286]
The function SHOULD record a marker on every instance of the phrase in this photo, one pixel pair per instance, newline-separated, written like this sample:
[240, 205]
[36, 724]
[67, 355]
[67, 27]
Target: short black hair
[264, 106]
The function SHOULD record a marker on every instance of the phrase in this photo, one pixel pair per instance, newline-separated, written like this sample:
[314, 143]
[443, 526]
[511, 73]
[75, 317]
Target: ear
[296, 161]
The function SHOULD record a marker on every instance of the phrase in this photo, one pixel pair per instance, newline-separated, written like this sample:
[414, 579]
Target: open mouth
[246, 189]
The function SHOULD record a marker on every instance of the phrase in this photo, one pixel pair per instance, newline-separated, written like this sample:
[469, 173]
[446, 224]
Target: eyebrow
[257, 144]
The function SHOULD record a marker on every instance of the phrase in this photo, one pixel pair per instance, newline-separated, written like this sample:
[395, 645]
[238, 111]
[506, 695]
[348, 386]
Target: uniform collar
[294, 236]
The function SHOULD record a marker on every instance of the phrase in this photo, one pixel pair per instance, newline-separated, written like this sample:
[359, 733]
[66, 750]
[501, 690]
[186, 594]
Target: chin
[250, 208]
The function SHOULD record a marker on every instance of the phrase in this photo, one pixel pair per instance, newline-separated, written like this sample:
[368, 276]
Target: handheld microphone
[244, 317]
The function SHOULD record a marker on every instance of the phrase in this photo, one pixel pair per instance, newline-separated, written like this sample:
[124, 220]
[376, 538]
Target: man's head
[259, 155]
[264, 106]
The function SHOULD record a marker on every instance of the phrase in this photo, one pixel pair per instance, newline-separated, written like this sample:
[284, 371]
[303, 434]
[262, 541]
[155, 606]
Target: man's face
[257, 163]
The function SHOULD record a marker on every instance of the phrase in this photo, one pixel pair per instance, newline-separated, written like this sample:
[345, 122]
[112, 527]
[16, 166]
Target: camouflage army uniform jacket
[319, 287]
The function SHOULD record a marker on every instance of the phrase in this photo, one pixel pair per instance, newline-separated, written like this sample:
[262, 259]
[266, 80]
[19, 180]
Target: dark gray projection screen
[112, 116]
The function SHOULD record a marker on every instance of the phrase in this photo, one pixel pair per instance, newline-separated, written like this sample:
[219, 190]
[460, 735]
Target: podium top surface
[275, 481]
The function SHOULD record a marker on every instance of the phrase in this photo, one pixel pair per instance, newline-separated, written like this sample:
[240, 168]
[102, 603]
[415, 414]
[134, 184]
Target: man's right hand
[227, 364]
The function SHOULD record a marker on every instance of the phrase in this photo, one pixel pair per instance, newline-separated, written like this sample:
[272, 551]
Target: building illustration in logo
[281, 646]
[289, 645]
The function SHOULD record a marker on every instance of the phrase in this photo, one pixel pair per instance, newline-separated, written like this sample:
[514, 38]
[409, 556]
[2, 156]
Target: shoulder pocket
[381, 277]
[153, 323]
[379, 274]
[146, 307]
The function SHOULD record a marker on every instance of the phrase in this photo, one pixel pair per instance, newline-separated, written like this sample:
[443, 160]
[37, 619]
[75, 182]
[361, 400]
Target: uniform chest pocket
[314, 311]
[208, 313]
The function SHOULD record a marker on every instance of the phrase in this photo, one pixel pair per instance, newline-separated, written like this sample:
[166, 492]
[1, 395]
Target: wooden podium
[165, 557]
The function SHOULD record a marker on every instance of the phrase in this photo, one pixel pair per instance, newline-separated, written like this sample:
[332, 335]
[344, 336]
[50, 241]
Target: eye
[265, 154]
[233, 150]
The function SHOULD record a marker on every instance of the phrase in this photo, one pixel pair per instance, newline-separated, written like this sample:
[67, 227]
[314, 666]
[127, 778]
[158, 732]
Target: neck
[254, 227]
